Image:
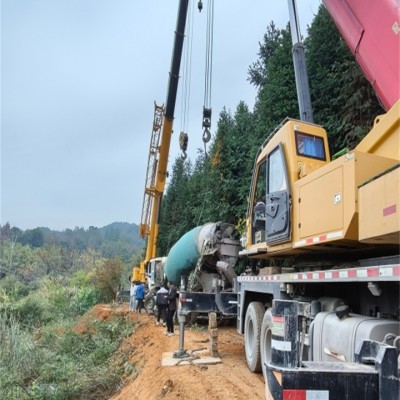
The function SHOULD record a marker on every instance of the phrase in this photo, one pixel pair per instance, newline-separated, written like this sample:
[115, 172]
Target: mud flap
[336, 381]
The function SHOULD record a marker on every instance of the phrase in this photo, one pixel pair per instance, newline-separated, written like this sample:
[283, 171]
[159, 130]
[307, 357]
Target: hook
[206, 135]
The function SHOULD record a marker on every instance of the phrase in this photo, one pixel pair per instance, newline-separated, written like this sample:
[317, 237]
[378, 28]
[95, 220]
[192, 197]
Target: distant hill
[119, 239]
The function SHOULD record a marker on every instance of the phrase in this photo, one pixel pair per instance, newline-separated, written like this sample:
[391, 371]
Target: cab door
[278, 199]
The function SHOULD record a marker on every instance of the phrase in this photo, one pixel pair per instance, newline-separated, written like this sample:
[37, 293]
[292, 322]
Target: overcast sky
[78, 83]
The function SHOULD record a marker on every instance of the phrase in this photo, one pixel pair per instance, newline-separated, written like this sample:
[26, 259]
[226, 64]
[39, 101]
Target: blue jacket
[140, 291]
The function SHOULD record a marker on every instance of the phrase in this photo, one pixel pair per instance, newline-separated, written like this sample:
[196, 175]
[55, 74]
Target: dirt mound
[100, 312]
[229, 379]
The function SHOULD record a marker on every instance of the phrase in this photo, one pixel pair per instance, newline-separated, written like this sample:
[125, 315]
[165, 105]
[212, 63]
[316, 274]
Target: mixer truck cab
[155, 272]
[155, 278]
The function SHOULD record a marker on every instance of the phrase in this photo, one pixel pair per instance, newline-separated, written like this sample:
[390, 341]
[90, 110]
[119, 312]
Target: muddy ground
[229, 379]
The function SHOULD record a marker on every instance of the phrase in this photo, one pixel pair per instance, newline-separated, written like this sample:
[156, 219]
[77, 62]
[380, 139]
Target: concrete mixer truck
[205, 258]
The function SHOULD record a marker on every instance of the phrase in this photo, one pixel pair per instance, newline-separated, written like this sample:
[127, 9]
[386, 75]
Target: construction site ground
[225, 378]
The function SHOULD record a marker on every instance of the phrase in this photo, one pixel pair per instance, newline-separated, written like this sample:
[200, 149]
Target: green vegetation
[57, 362]
[216, 187]
[48, 279]
[118, 239]
[44, 352]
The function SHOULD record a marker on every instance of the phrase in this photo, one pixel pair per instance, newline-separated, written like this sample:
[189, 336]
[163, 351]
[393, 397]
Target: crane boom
[157, 166]
[148, 196]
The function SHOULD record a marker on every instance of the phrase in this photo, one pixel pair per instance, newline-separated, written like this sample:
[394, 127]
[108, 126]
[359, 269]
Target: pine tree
[343, 100]
[273, 74]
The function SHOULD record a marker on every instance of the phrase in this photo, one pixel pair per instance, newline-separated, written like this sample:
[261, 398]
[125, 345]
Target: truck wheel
[265, 340]
[149, 303]
[252, 330]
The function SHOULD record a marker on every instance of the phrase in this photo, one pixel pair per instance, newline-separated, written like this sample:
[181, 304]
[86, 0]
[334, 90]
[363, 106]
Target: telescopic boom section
[300, 69]
[153, 194]
[152, 162]
[171, 95]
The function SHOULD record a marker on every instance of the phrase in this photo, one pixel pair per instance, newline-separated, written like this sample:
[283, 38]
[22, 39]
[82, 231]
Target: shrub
[107, 279]
[80, 366]
[17, 358]
[84, 299]
[61, 364]
[13, 287]
[31, 312]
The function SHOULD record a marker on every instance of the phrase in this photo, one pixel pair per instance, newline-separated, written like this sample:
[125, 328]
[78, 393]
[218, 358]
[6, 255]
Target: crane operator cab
[294, 150]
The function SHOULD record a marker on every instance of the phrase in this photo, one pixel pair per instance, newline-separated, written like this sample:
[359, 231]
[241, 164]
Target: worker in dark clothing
[162, 305]
[171, 297]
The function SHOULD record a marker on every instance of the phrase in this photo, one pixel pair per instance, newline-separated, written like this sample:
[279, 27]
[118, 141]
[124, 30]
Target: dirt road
[230, 379]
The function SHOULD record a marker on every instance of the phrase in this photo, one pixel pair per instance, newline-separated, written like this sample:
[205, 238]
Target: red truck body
[372, 31]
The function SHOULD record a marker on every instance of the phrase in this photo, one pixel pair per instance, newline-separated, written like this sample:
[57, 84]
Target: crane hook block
[200, 5]
[207, 117]
[183, 155]
[206, 135]
[183, 141]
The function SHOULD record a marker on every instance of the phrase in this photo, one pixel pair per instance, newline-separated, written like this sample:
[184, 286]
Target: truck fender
[252, 330]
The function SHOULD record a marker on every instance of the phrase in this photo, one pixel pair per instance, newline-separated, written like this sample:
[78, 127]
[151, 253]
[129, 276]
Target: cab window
[310, 146]
[258, 211]
[276, 172]
[261, 183]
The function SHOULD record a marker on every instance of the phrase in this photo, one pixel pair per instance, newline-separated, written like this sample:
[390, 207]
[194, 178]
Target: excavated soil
[229, 379]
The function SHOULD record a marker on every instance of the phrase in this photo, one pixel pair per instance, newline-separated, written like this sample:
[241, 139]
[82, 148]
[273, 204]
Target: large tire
[265, 340]
[150, 303]
[252, 330]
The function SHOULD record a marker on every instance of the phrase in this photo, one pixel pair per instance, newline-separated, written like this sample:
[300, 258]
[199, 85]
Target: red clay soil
[230, 379]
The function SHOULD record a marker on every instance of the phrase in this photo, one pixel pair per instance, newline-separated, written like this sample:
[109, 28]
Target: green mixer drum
[182, 257]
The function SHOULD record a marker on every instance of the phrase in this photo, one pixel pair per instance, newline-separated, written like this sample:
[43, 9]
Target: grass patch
[59, 363]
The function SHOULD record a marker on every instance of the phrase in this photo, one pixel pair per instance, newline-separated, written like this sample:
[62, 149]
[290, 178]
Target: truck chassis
[310, 344]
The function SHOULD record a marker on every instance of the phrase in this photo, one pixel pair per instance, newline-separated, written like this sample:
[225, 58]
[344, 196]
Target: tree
[19, 260]
[273, 75]
[8, 237]
[343, 100]
[176, 212]
[257, 72]
[231, 161]
[108, 278]
[32, 237]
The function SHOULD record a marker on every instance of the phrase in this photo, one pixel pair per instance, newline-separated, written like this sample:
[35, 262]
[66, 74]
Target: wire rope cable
[207, 111]
[209, 54]
[186, 82]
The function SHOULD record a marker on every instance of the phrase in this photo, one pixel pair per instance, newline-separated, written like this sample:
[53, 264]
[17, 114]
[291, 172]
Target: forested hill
[119, 239]
[48, 279]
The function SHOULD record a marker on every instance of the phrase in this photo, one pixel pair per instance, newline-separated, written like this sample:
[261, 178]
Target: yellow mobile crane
[158, 153]
[321, 317]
